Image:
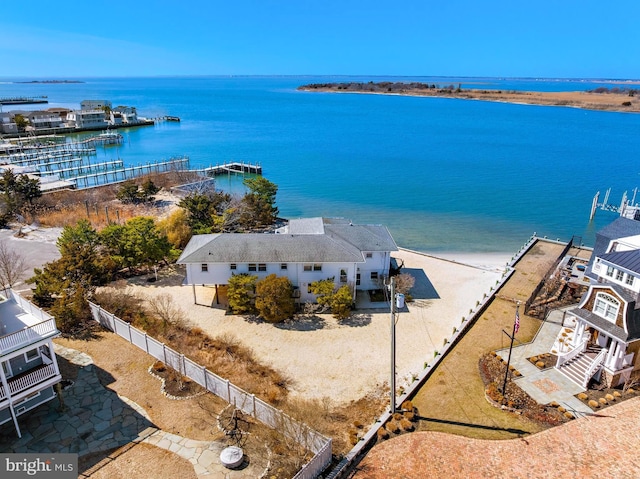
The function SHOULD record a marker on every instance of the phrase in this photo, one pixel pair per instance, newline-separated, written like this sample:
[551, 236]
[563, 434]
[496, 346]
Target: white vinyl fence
[248, 403]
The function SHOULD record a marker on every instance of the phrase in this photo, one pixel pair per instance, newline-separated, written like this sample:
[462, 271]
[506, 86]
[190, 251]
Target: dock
[24, 100]
[234, 167]
[628, 208]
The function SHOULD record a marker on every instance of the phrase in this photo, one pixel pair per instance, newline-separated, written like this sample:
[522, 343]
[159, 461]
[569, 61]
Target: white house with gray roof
[605, 343]
[305, 250]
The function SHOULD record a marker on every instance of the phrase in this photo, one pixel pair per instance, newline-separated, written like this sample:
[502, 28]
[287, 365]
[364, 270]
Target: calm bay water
[442, 174]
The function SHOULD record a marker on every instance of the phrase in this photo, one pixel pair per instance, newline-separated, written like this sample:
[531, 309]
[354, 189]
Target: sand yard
[347, 360]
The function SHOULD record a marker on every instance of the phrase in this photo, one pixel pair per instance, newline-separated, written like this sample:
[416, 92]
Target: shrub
[410, 416]
[407, 405]
[582, 396]
[569, 415]
[561, 409]
[383, 433]
[602, 401]
[406, 425]
[616, 394]
[241, 293]
[593, 404]
[274, 298]
[393, 426]
[540, 364]
[609, 397]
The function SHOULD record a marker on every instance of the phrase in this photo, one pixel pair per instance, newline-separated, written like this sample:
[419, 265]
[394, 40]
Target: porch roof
[601, 324]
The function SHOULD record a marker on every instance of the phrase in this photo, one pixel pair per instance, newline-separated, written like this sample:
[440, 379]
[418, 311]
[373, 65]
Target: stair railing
[568, 356]
[595, 364]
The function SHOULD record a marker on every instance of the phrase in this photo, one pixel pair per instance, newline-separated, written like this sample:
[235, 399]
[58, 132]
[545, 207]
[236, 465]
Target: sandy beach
[347, 360]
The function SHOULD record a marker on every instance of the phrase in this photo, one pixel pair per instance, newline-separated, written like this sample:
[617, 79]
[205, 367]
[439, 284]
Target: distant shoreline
[50, 81]
[618, 100]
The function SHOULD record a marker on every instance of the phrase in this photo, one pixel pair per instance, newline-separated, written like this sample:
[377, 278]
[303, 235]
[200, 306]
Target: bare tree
[165, 309]
[12, 265]
[404, 283]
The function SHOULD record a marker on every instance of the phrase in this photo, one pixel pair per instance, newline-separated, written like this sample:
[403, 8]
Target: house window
[619, 275]
[358, 279]
[609, 270]
[283, 266]
[307, 267]
[317, 267]
[369, 255]
[204, 267]
[31, 355]
[606, 306]
[374, 275]
[262, 267]
[343, 275]
[233, 266]
[252, 267]
[629, 280]
[6, 367]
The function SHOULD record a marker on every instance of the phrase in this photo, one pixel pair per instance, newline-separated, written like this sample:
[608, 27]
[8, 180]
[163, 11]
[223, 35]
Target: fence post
[253, 398]
[183, 365]
[164, 354]
[130, 338]
[228, 391]
[146, 344]
[204, 371]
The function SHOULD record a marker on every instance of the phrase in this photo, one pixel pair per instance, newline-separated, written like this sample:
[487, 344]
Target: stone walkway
[96, 419]
[547, 385]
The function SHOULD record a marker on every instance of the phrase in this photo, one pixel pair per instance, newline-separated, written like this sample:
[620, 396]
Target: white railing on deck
[2, 393]
[31, 379]
[566, 357]
[599, 359]
[28, 335]
[248, 403]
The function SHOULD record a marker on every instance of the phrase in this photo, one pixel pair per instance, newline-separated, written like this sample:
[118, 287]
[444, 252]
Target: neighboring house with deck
[29, 366]
[606, 339]
[305, 250]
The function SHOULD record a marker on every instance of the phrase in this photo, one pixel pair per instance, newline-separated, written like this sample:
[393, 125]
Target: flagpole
[516, 326]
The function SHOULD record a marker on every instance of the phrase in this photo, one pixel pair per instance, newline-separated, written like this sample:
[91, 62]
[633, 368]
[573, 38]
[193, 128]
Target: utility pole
[393, 345]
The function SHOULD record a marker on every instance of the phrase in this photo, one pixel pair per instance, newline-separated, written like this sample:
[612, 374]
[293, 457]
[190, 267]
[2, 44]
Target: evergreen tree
[274, 298]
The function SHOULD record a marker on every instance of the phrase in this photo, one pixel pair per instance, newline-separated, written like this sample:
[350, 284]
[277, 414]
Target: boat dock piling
[231, 168]
[627, 208]
[118, 175]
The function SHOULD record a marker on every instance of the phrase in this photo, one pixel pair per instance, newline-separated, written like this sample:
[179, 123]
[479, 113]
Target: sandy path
[347, 360]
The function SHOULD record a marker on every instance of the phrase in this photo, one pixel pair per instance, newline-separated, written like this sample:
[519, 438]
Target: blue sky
[512, 38]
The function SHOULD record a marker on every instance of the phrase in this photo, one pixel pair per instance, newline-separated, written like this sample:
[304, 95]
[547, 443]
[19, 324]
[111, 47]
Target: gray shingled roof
[363, 237]
[629, 260]
[601, 323]
[341, 242]
[269, 248]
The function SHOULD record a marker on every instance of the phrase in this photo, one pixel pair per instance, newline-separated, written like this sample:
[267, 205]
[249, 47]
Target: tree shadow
[307, 322]
[356, 320]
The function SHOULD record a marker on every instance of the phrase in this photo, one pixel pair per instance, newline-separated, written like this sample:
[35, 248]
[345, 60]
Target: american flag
[516, 325]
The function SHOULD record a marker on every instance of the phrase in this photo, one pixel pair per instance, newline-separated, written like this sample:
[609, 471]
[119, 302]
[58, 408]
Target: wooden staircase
[577, 368]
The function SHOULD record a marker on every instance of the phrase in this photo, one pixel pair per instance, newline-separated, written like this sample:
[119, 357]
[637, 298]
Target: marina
[23, 100]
